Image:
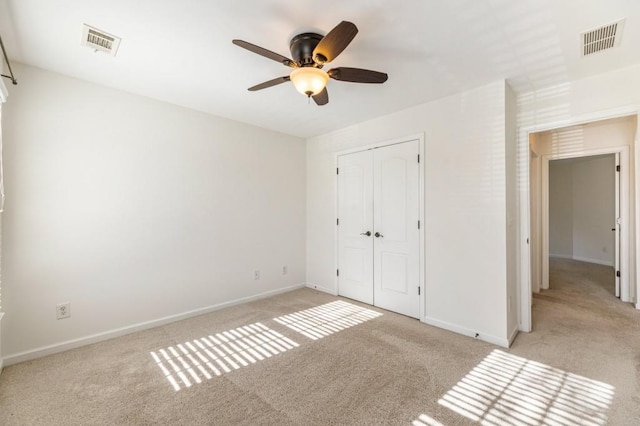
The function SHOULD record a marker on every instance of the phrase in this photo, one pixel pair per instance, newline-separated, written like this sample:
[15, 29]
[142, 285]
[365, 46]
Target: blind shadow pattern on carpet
[505, 389]
[195, 361]
[324, 320]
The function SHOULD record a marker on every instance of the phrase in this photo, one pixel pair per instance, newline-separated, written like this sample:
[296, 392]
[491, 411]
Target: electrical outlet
[63, 310]
[256, 274]
[285, 270]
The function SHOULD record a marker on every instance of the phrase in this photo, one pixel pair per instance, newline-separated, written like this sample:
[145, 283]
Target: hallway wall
[582, 209]
[560, 209]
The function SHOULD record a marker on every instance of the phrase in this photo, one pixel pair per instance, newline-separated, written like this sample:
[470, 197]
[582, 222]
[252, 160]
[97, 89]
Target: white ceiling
[181, 51]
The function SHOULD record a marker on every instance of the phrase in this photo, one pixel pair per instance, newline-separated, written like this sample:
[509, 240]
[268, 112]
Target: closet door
[355, 228]
[396, 239]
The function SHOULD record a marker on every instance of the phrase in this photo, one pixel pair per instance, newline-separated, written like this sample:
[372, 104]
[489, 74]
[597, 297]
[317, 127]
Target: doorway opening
[582, 203]
[584, 225]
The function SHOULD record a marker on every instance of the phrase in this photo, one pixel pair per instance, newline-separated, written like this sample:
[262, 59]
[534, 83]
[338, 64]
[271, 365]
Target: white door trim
[617, 214]
[623, 151]
[524, 308]
[420, 138]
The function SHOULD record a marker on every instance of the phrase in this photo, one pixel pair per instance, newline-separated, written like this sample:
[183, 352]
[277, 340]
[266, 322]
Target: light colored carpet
[316, 359]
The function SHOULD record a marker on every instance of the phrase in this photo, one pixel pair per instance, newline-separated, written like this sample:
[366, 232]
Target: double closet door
[378, 227]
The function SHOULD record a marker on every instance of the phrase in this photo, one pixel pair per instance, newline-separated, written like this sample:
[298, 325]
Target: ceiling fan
[310, 52]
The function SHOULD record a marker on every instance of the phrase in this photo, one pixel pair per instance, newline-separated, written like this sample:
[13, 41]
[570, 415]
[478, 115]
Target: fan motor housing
[302, 47]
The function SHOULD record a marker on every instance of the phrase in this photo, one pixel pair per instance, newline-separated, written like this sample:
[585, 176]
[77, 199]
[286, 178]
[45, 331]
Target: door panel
[394, 273]
[355, 259]
[396, 211]
[355, 251]
[392, 196]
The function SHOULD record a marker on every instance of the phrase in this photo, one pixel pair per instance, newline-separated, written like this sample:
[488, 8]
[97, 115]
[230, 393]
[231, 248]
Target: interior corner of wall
[513, 335]
[330, 291]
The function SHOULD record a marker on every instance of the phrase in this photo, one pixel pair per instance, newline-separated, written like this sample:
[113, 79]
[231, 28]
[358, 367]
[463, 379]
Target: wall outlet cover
[63, 310]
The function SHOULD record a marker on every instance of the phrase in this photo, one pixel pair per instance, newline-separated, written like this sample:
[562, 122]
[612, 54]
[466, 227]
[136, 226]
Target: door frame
[524, 132]
[421, 185]
[625, 235]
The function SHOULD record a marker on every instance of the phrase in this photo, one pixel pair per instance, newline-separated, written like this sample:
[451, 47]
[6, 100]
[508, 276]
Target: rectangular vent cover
[99, 40]
[602, 38]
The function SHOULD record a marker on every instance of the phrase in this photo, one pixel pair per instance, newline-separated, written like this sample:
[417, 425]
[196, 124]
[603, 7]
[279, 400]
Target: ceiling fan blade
[322, 98]
[269, 83]
[335, 42]
[266, 53]
[357, 75]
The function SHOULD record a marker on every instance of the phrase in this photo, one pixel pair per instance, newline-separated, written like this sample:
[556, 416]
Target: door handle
[368, 233]
[378, 235]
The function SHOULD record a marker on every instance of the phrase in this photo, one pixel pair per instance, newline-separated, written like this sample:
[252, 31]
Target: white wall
[594, 210]
[3, 98]
[582, 209]
[465, 205]
[135, 210]
[560, 209]
[594, 98]
[511, 179]
[1, 310]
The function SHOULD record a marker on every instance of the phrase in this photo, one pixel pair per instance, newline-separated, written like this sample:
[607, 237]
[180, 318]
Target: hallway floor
[580, 326]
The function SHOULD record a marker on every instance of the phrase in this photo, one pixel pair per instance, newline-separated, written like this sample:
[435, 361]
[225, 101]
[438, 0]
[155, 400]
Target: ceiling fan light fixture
[309, 80]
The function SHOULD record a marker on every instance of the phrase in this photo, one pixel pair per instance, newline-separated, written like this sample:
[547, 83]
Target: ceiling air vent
[602, 38]
[99, 41]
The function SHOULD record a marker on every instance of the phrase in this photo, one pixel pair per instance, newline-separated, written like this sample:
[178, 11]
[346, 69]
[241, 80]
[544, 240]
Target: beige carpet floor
[308, 358]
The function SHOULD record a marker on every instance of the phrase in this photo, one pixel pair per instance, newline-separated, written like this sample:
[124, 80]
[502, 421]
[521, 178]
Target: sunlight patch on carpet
[425, 420]
[324, 320]
[201, 359]
[508, 390]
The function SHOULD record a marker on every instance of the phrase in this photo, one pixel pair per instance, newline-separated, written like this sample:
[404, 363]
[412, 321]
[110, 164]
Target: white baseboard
[322, 289]
[596, 261]
[99, 337]
[582, 259]
[467, 332]
[560, 256]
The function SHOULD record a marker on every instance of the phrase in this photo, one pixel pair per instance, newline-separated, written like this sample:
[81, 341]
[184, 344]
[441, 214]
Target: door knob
[378, 235]
[368, 233]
